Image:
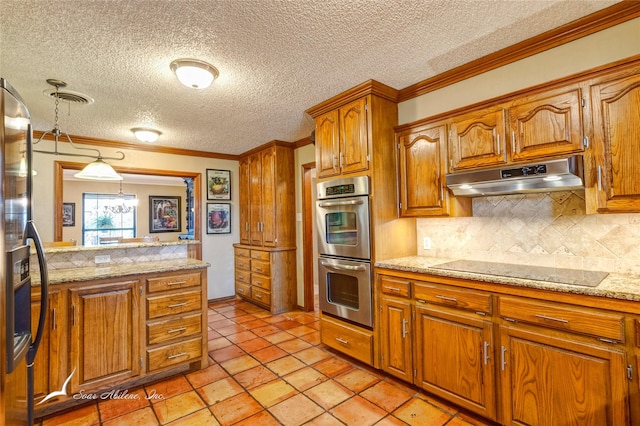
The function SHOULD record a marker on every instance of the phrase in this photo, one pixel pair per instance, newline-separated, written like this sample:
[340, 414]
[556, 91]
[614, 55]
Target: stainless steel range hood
[552, 175]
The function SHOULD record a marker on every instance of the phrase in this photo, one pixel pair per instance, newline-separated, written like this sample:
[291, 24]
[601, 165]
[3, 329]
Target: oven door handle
[343, 267]
[340, 203]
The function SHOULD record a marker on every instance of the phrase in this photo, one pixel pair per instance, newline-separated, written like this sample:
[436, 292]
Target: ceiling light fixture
[144, 134]
[97, 170]
[122, 204]
[194, 73]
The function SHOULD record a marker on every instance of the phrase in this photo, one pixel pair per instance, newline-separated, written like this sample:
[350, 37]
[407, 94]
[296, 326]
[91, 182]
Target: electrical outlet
[102, 259]
[426, 243]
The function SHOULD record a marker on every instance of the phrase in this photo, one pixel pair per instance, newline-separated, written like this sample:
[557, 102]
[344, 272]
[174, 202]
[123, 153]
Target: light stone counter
[616, 286]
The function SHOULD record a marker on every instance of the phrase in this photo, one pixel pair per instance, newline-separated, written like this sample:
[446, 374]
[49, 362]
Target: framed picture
[68, 214]
[164, 214]
[218, 184]
[218, 218]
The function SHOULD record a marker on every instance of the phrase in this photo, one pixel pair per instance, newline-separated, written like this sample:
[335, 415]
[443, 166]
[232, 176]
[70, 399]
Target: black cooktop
[537, 273]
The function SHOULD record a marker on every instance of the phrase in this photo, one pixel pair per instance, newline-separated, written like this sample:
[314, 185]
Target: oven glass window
[341, 228]
[343, 290]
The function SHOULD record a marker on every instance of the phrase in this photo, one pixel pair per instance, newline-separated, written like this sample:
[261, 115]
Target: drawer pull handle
[177, 305]
[447, 299]
[241, 291]
[545, 317]
[259, 296]
[177, 330]
[421, 300]
[258, 269]
[503, 358]
[404, 328]
[241, 277]
[176, 282]
[177, 355]
[486, 352]
[396, 289]
[343, 341]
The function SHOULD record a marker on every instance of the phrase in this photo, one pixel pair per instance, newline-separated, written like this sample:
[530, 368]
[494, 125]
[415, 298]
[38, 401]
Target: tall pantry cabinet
[265, 259]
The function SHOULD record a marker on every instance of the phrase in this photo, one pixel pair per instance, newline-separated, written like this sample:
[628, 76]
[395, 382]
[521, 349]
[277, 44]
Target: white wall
[303, 155]
[216, 249]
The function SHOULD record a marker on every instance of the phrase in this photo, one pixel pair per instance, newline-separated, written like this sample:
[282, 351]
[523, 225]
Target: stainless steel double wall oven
[344, 248]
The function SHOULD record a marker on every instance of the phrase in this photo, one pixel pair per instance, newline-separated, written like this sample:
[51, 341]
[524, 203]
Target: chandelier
[121, 204]
[96, 170]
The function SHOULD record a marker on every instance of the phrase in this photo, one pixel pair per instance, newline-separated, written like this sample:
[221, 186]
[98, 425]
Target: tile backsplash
[542, 229]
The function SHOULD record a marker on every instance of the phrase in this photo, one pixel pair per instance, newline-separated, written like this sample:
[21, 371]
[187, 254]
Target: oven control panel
[346, 187]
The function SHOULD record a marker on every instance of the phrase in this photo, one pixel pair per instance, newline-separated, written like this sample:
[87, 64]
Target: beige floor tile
[220, 390]
[181, 405]
[285, 365]
[210, 374]
[328, 394]
[386, 396]
[418, 412]
[235, 409]
[359, 411]
[239, 364]
[296, 410]
[305, 378]
[357, 380]
[272, 393]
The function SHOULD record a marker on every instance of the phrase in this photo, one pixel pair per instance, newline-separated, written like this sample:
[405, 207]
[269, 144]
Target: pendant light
[194, 73]
[121, 204]
[98, 169]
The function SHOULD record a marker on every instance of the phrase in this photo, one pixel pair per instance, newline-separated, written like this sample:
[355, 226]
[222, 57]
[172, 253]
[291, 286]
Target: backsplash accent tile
[541, 229]
[120, 256]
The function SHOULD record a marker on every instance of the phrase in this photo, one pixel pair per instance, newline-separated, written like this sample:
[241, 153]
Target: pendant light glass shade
[98, 170]
[194, 73]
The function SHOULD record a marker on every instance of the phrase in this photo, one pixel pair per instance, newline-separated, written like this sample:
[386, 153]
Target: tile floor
[269, 370]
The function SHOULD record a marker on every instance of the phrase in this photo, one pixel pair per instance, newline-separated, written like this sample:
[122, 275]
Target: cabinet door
[354, 147]
[454, 358]
[269, 182]
[477, 139]
[255, 198]
[422, 172]
[245, 218]
[548, 378]
[616, 142]
[105, 343]
[395, 338]
[327, 144]
[546, 125]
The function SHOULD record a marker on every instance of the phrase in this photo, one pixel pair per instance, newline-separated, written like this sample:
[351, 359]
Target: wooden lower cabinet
[357, 342]
[105, 340]
[395, 338]
[545, 379]
[454, 358]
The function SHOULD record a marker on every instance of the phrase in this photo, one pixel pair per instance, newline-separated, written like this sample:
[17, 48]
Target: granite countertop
[616, 286]
[70, 275]
[65, 249]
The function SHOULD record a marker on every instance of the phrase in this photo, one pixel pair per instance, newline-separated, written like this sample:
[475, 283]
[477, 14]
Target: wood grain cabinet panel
[354, 341]
[615, 103]
[546, 125]
[327, 140]
[477, 139]
[244, 202]
[396, 338]
[105, 337]
[547, 378]
[354, 146]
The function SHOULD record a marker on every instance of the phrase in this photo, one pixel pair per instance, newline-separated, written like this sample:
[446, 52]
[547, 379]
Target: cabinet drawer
[174, 328]
[453, 297]
[159, 306]
[243, 276]
[243, 289]
[261, 281]
[261, 296]
[177, 353]
[260, 255]
[243, 263]
[243, 252]
[394, 286]
[260, 266]
[173, 282]
[572, 319]
[347, 339]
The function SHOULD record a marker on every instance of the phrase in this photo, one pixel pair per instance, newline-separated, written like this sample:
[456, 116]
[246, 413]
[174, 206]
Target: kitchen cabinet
[477, 139]
[341, 138]
[396, 326]
[357, 342]
[266, 277]
[546, 125]
[422, 169]
[267, 204]
[105, 338]
[615, 104]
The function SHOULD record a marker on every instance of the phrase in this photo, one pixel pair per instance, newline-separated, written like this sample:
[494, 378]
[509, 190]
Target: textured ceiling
[276, 58]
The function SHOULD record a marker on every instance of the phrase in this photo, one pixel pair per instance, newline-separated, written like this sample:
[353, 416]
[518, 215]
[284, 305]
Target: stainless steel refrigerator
[18, 340]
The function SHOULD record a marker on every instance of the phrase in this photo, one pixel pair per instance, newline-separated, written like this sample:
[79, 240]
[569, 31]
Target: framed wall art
[218, 184]
[68, 214]
[164, 214]
[218, 218]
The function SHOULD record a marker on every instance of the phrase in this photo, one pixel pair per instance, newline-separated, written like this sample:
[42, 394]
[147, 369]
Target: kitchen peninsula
[119, 316]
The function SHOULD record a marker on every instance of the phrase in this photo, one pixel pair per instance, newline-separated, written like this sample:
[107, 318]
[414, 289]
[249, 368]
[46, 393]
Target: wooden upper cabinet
[422, 170]
[477, 139]
[616, 141]
[327, 144]
[269, 199]
[546, 125]
[243, 171]
[255, 199]
[342, 143]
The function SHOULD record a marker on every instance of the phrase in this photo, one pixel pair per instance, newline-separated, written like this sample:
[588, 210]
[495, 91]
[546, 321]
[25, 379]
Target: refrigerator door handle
[32, 232]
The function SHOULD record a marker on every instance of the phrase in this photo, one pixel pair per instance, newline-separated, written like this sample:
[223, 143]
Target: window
[99, 222]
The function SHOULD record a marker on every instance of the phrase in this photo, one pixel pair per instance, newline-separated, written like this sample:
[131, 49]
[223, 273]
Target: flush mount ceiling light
[97, 170]
[194, 73]
[144, 134]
